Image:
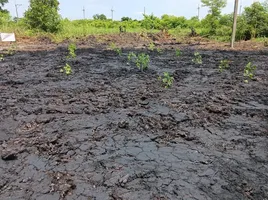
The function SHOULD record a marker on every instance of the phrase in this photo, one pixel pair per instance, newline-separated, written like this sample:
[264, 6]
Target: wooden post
[234, 23]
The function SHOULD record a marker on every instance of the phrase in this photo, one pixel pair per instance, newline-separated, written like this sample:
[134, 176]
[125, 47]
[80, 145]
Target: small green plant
[131, 56]
[1, 57]
[178, 52]
[116, 49]
[71, 49]
[142, 61]
[151, 46]
[197, 58]
[166, 80]
[67, 69]
[249, 72]
[159, 50]
[224, 64]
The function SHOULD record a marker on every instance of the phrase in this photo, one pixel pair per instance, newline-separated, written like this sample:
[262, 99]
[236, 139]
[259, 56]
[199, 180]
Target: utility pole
[198, 14]
[240, 10]
[16, 6]
[112, 10]
[234, 23]
[84, 12]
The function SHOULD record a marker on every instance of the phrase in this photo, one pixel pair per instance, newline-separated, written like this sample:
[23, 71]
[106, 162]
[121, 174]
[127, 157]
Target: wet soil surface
[111, 132]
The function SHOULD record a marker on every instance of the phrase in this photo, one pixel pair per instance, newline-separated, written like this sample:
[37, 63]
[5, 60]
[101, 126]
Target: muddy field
[111, 132]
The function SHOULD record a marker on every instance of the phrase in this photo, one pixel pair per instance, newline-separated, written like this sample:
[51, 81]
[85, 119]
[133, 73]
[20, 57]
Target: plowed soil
[111, 132]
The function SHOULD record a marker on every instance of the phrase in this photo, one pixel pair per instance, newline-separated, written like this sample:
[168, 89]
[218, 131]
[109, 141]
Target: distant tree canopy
[99, 17]
[124, 19]
[211, 22]
[2, 3]
[43, 15]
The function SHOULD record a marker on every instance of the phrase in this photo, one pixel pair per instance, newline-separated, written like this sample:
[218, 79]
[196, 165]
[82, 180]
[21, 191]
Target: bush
[43, 15]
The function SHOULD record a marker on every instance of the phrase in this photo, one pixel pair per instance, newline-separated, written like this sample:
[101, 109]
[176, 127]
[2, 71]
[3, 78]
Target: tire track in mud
[111, 132]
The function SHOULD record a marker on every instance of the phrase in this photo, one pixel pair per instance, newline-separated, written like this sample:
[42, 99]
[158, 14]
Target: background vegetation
[42, 18]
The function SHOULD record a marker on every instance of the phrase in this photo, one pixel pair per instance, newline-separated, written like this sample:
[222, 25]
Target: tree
[256, 17]
[2, 3]
[215, 6]
[43, 15]
[212, 19]
[123, 19]
[99, 17]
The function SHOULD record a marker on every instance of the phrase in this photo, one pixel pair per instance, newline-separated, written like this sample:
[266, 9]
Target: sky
[134, 8]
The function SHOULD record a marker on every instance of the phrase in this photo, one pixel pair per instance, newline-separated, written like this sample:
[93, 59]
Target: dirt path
[111, 132]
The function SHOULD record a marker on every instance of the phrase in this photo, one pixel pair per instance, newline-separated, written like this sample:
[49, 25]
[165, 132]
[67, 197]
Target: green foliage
[197, 58]
[67, 69]
[265, 42]
[249, 71]
[178, 52]
[124, 19]
[116, 49]
[71, 50]
[166, 80]
[99, 17]
[142, 61]
[159, 50]
[2, 3]
[5, 18]
[131, 56]
[256, 20]
[43, 15]
[1, 57]
[224, 64]
[151, 46]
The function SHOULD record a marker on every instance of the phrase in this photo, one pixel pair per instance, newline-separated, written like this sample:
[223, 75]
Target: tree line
[253, 21]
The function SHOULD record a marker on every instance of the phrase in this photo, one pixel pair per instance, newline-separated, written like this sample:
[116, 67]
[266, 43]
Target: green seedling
[142, 61]
[116, 49]
[197, 58]
[224, 64]
[159, 50]
[11, 50]
[151, 46]
[131, 56]
[67, 69]
[178, 52]
[1, 57]
[249, 72]
[166, 80]
[265, 42]
[71, 49]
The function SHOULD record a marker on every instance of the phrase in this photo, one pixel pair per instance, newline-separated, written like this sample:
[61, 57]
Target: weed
[197, 58]
[166, 79]
[159, 50]
[142, 61]
[67, 69]
[249, 71]
[1, 57]
[116, 49]
[178, 52]
[130, 56]
[151, 46]
[71, 49]
[224, 64]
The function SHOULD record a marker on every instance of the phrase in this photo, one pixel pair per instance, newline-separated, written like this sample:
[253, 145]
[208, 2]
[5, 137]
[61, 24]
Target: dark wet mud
[111, 132]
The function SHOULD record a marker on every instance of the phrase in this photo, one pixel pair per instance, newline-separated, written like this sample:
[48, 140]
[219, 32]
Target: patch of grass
[166, 79]
[249, 72]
